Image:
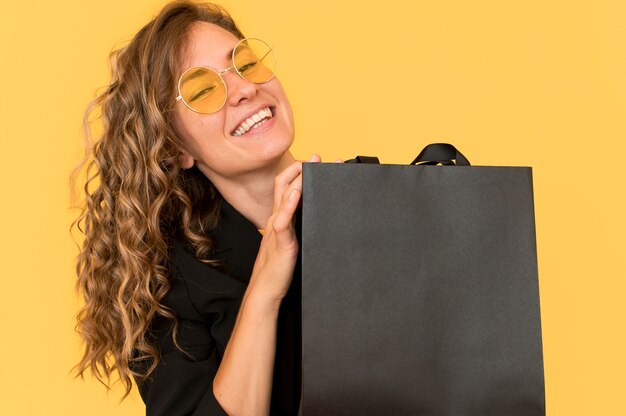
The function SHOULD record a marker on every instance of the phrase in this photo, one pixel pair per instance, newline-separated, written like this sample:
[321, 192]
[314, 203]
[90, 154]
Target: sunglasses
[204, 91]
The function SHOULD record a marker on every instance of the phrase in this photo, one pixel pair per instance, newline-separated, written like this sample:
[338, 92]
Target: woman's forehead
[208, 45]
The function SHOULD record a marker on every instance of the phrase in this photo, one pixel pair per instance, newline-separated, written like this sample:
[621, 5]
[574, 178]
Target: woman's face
[210, 140]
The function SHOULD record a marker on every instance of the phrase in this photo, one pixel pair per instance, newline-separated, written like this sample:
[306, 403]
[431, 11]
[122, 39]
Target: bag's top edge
[415, 166]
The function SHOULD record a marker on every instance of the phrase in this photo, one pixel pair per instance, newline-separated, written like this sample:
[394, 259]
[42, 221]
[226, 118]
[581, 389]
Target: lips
[253, 122]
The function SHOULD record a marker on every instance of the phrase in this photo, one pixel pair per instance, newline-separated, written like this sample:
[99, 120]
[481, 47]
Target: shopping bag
[420, 289]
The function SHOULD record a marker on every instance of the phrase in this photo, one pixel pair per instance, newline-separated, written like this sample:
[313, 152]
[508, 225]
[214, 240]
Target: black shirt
[206, 301]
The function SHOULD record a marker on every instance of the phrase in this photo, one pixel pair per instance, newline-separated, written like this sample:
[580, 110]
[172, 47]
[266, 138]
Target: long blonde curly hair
[136, 197]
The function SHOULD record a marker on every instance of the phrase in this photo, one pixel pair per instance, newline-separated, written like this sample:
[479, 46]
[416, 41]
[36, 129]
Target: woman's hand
[243, 381]
[277, 255]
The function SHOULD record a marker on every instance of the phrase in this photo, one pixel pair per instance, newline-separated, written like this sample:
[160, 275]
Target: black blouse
[206, 301]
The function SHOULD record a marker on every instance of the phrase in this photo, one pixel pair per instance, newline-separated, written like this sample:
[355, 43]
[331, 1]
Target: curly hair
[136, 197]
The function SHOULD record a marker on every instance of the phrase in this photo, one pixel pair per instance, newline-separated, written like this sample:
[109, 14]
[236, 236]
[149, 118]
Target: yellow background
[538, 82]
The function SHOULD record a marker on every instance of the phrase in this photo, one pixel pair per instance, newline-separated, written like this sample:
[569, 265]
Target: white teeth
[257, 125]
[254, 121]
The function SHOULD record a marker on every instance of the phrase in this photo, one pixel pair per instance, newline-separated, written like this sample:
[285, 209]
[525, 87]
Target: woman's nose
[239, 89]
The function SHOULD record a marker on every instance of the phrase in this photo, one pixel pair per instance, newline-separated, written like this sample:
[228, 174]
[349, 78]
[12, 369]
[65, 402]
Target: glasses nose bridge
[221, 73]
[238, 79]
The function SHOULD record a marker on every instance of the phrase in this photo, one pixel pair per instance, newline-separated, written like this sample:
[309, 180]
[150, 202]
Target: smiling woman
[182, 292]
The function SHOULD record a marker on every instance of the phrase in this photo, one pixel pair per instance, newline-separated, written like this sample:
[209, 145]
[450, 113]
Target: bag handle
[433, 154]
[443, 153]
[364, 159]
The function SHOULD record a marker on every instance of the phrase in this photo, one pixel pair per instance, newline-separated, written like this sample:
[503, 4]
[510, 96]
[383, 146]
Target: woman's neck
[252, 193]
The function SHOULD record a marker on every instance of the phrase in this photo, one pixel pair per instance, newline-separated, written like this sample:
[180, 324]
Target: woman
[189, 244]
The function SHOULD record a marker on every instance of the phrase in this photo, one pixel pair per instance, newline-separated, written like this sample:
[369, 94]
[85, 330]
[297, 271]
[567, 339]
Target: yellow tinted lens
[202, 90]
[254, 60]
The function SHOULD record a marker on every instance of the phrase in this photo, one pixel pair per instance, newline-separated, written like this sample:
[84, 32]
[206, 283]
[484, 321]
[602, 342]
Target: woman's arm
[243, 382]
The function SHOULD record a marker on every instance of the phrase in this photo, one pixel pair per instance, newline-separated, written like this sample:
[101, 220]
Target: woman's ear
[185, 160]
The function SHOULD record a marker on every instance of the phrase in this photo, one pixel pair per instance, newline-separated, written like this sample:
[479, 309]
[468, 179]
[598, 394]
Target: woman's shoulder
[196, 285]
[222, 277]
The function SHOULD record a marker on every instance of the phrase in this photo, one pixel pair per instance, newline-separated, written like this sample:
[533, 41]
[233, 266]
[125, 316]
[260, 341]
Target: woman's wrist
[242, 385]
[263, 301]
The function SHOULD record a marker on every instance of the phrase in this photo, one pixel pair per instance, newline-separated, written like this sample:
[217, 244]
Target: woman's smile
[254, 122]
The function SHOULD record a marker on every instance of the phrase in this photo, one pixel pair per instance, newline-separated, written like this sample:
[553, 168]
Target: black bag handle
[364, 159]
[433, 154]
[443, 153]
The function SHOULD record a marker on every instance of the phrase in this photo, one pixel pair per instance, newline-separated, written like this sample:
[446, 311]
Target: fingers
[282, 220]
[283, 180]
[287, 193]
[286, 178]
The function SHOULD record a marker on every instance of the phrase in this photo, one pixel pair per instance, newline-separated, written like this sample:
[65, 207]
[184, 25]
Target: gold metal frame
[219, 74]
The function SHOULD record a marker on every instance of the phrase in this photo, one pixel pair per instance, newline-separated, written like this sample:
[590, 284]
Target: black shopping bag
[419, 290]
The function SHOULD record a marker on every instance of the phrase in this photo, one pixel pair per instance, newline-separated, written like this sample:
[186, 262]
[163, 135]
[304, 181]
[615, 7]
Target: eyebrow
[199, 72]
[195, 74]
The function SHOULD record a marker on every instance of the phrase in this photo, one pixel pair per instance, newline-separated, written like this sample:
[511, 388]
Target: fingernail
[312, 157]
